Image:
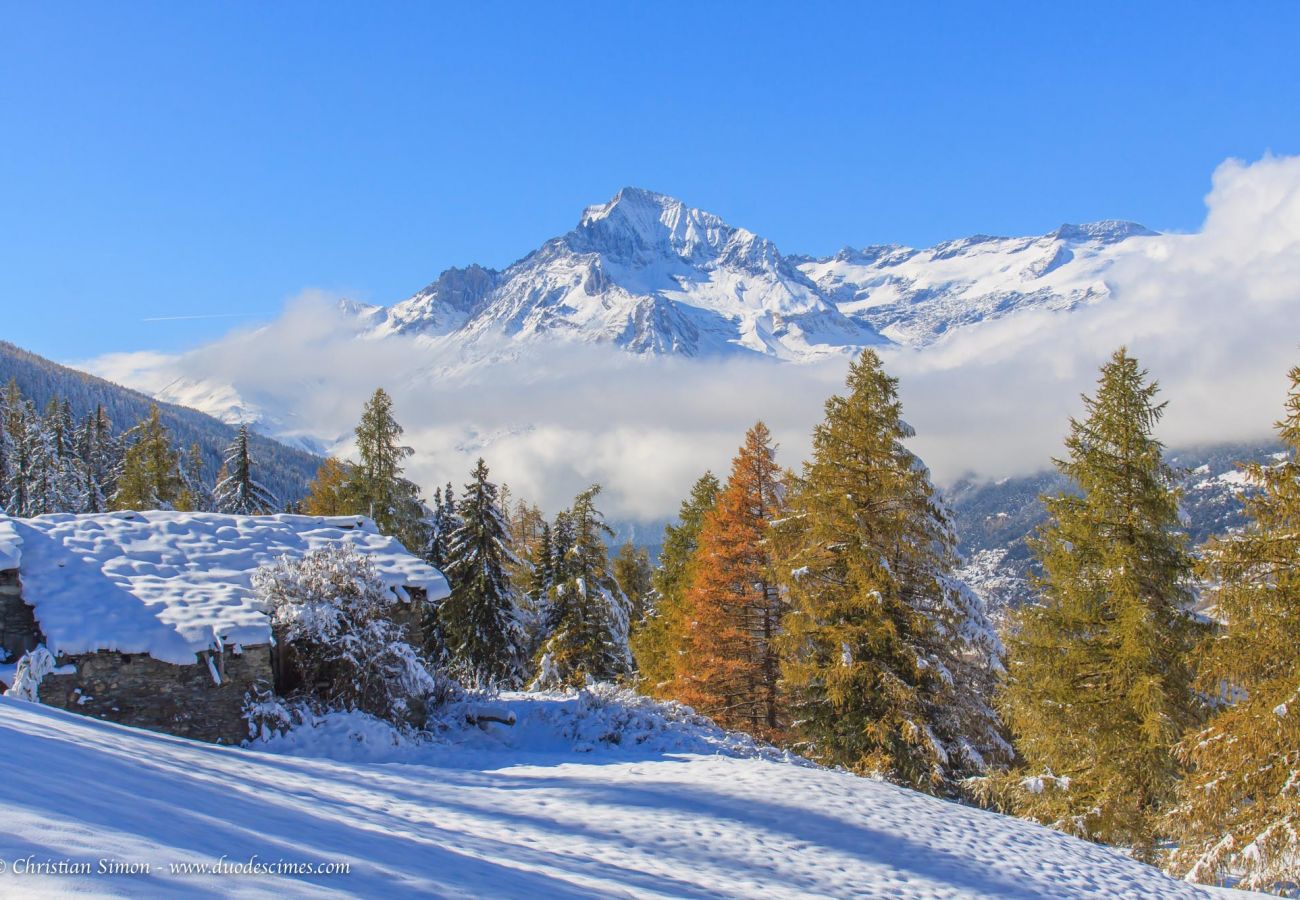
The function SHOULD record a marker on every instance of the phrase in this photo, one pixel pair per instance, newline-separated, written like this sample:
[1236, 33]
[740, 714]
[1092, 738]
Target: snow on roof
[10, 544]
[168, 583]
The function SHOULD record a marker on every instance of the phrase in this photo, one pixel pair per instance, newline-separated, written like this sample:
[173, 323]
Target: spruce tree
[239, 493]
[479, 621]
[732, 665]
[99, 454]
[1098, 688]
[1238, 810]
[882, 651]
[659, 639]
[6, 455]
[45, 482]
[150, 476]
[378, 486]
[17, 424]
[198, 496]
[443, 525]
[589, 612]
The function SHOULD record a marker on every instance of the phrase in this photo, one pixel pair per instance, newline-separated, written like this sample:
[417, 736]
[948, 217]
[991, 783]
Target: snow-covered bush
[340, 648]
[32, 669]
[606, 715]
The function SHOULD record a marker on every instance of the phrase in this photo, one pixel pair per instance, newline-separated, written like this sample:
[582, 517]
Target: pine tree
[198, 496]
[17, 449]
[590, 615]
[732, 666]
[329, 493]
[1098, 688]
[443, 525]
[6, 456]
[635, 577]
[479, 621]
[45, 485]
[383, 494]
[239, 493]
[1239, 811]
[150, 476]
[660, 638]
[882, 649]
[99, 454]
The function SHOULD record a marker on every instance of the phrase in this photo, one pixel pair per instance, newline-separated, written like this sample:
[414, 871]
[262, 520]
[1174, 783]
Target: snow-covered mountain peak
[444, 305]
[1107, 231]
[640, 227]
[649, 275]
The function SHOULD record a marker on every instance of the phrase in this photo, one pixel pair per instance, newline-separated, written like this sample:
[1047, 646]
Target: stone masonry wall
[138, 690]
[18, 629]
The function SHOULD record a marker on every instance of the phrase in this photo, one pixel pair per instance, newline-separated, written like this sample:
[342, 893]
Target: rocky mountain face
[652, 276]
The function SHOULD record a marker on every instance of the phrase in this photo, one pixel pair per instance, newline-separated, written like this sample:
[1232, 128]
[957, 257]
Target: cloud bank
[1214, 315]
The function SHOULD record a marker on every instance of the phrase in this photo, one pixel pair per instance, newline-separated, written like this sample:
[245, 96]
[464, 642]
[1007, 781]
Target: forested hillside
[284, 470]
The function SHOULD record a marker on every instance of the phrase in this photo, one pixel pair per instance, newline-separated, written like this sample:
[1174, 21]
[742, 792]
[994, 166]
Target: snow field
[552, 807]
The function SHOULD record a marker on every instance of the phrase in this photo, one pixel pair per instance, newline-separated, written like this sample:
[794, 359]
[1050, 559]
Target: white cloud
[1214, 315]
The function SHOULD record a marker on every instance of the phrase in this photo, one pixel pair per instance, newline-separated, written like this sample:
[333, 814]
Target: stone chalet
[151, 616]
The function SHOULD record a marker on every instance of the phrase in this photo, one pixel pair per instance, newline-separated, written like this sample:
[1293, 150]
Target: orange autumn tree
[731, 667]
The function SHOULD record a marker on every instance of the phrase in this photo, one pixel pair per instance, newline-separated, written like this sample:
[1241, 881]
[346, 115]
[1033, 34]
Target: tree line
[818, 609]
[51, 462]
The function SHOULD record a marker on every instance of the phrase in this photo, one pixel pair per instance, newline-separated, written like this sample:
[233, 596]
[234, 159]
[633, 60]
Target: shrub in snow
[607, 715]
[32, 668]
[332, 616]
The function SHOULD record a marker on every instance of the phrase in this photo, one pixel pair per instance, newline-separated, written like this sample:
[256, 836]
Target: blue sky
[170, 160]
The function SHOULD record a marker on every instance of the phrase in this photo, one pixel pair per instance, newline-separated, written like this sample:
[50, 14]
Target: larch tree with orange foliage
[731, 668]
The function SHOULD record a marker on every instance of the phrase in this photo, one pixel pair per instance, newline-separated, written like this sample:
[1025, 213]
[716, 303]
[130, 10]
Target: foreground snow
[548, 808]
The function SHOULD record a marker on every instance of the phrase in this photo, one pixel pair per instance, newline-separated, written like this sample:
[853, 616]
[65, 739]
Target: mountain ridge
[669, 278]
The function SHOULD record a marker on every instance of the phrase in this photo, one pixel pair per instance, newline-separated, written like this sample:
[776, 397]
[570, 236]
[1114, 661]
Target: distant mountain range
[993, 520]
[285, 470]
[651, 276]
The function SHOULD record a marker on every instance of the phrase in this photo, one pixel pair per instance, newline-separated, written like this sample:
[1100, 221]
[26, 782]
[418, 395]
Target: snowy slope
[915, 297]
[523, 814]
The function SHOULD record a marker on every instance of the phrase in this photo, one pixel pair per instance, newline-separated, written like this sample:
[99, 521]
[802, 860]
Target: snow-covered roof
[168, 583]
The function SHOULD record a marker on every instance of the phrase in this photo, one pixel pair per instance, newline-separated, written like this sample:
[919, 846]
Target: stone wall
[138, 690]
[18, 629]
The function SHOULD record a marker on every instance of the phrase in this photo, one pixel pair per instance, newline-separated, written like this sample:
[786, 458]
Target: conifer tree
[883, 652]
[635, 577]
[543, 568]
[589, 612]
[383, 494]
[150, 477]
[6, 455]
[198, 496]
[443, 525]
[99, 454]
[732, 665]
[329, 493]
[479, 621]
[660, 638]
[239, 493]
[1098, 688]
[45, 481]
[17, 419]
[1238, 811]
